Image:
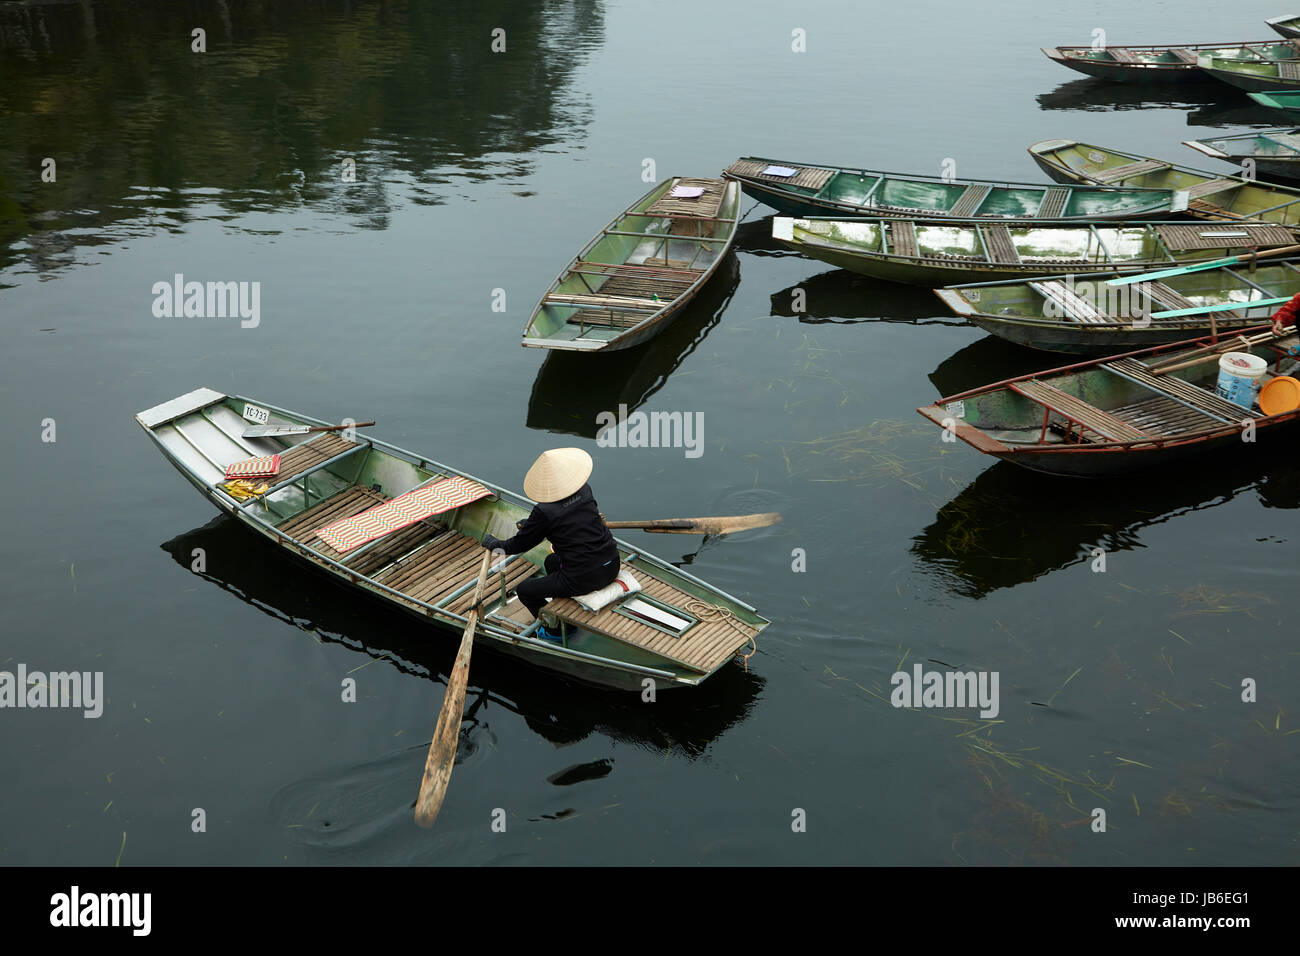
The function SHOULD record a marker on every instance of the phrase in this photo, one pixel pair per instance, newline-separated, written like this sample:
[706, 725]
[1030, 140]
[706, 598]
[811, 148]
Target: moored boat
[1252, 75]
[1278, 100]
[1122, 413]
[636, 275]
[1272, 152]
[326, 506]
[812, 190]
[1084, 315]
[1162, 63]
[1202, 194]
[931, 253]
[1287, 26]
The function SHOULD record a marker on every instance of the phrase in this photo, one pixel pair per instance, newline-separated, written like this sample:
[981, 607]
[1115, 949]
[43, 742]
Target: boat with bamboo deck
[1281, 73]
[331, 504]
[811, 190]
[1162, 63]
[634, 277]
[1202, 194]
[1287, 102]
[931, 254]
[1085, 315]
[1272, 152]
[1122, 413]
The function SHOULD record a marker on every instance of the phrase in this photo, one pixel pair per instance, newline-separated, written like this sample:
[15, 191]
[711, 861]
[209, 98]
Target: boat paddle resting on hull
[640, 271]
[929, 253]
[1201, 194]
[1161, 64]
[807, 189]
[1138, 410]
[1101, 314]
[330, 500]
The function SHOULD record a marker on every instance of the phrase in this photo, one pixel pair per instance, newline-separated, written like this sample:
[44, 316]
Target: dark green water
[479, 171]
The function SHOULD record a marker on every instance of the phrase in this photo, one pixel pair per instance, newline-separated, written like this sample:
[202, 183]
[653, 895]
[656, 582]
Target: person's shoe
[545, 635]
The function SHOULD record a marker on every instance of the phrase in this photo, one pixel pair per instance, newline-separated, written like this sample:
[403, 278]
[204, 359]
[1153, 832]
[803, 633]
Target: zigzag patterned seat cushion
[401, 511]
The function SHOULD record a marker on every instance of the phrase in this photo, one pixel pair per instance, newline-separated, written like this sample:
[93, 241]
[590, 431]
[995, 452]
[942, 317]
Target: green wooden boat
[1278, 100]
[1252, 75]
[1272, 152]
[637, 274]
[677, 631]
[1287, 26]
[1199, 193]
[1161, 64]
[1120, 414]
[1084, 315]
[811, 190]
[930, 253]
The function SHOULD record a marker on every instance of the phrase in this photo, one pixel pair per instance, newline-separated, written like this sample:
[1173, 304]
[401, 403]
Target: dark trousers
[534, 592]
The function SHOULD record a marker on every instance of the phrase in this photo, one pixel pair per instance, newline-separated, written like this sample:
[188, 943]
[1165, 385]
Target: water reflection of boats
[1011, 525]
[845, 297]
[1098, 96]
[280, 587]
[572, 389]
[989, 359]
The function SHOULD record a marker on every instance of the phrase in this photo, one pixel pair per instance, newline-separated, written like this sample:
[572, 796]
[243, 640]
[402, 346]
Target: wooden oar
[1215, 351]
[724, 525]
[1221, 307]
[1203, 266]
[284, 428]
[442, 749]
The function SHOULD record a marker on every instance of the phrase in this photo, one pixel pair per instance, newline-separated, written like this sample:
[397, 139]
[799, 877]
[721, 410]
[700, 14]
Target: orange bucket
[1280, 395]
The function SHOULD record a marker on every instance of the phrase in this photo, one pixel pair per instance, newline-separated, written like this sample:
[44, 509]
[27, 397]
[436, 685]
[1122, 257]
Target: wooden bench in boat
[1077, 411]
[1161, 415]
[299, 458]
[998, 245]
[1072, 305]
[902, 238]
[1186, 56]
[705, 205]
[704, 646]
[1180, 237]
[1121, 55]
[1054, 200]
[1181, 391]
[970, 200]
[1288, 70]
[1173, 300]
[1210, 187]
[1128, 170]
[805, 177]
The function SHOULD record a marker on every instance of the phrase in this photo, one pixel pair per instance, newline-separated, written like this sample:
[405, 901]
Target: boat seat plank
[1182, 391]
[309, 454]
[1161, 415]
[806, 177]
[350, 501]
[970, 200]
[1078, 411]
[998, 245]
[1186, 56]
[1288, 70]
[436, 571]
[1073, 305]
[1054, 200]
[518, 570]
[902, 238]
[1128, 170]
[705, 646]
[630, 270]
[1212, 186]
[1180, 237]
[1172, 299]
[705, 205]
[1121, 55]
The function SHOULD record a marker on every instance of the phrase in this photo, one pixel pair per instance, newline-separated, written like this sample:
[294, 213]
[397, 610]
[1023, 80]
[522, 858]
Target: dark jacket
[586, 549]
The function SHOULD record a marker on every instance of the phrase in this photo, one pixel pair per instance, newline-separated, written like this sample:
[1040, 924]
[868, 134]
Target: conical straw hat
[557, 473]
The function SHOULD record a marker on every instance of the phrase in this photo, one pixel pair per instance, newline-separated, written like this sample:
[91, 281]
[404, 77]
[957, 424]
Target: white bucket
[1238, 373]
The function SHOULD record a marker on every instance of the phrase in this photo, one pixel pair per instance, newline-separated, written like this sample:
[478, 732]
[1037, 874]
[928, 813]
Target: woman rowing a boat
[584, 556]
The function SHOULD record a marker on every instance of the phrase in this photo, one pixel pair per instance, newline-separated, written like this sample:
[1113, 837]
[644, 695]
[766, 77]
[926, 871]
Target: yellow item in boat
[242, 488]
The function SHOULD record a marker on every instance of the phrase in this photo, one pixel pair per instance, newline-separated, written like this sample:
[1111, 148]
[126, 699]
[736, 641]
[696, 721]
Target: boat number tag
[258, 416]
[956, 409]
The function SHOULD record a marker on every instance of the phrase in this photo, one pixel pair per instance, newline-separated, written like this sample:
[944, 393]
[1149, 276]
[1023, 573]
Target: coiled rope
[704, 611]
